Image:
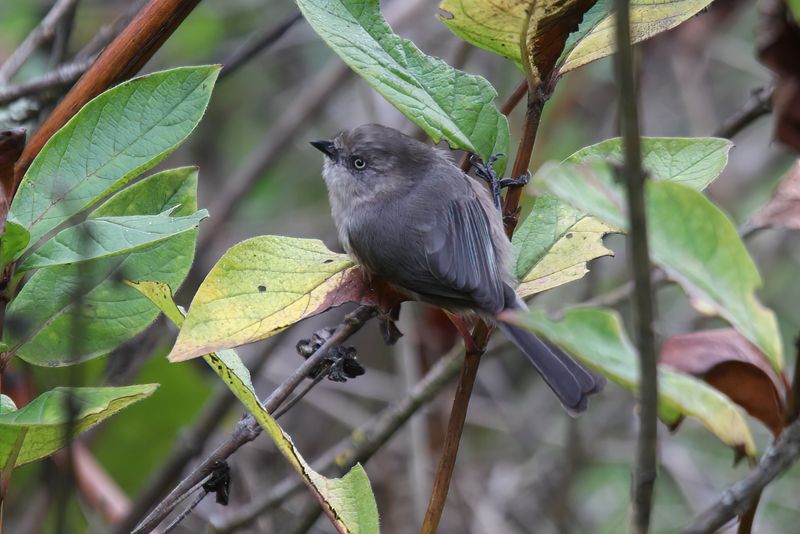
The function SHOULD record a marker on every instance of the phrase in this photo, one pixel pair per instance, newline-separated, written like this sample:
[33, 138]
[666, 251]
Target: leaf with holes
[40, 321]
[596, 337]
[348, 501]
[38, 429]
[554, 243]
[112, 139]
[443, 101]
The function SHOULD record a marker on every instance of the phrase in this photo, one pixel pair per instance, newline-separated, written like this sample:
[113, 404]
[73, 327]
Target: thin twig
[322, 373]
[735, 500]
[61, 36]
[186, 511]
[760, 104]
[189, 445]
[54, 79]
[257, 44]
[644, 471]
[248, 429]
[39, 35]
[362, 442]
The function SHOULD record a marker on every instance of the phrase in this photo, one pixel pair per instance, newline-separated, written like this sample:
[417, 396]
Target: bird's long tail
[571, 383]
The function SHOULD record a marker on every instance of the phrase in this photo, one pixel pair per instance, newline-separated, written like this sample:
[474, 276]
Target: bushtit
[407, 214]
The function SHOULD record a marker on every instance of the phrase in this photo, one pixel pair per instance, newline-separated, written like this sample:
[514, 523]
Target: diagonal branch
[362, 443]
[737, 498]
[248, 428]
[45, 31]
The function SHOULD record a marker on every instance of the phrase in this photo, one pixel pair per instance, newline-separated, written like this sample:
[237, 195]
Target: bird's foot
[487, 173]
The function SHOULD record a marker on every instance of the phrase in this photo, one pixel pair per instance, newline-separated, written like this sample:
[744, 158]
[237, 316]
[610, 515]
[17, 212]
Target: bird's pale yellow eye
[359, 163]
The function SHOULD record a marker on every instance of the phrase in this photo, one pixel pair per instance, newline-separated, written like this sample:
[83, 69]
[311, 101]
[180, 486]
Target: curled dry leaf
[730, 363]
[783, 209]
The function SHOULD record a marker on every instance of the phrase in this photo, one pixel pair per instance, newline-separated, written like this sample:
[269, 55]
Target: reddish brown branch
[482, 332]
[121, 60]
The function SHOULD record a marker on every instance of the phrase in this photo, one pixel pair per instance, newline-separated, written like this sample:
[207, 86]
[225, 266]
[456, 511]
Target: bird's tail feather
[571, 383]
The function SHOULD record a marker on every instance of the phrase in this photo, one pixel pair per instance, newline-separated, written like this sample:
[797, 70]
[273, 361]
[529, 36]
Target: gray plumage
[406, 213]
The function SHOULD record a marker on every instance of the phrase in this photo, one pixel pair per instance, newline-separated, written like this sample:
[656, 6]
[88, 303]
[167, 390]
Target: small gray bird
[407, 214]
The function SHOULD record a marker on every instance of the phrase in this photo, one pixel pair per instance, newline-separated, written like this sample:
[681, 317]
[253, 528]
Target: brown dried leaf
[783, 209]
[546, 29]
[730, 363]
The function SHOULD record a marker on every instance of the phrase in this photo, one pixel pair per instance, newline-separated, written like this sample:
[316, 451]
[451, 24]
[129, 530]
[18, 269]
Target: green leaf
[43, 423]
[596, 337]
[348, 501]
[441, 100]
[258, 288]
[692, 161]
[586, 179]
[106, 236]
[554, 243]
[794, 7]
[595, 37]
[112, 139]
[698, 246]
[7, 404]
[13, 241]
[41, 320]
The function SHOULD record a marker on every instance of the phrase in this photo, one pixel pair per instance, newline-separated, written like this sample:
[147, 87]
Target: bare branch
[248, 428]
[735, 500]
[362, 442]
[760, 104]
[257, 43]
[644, 472]
[189, 445]
[60, 77]
[42, 33]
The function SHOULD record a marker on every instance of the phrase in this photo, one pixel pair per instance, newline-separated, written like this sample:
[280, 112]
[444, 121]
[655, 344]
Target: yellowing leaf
[497, 26]
[258, 288]
[554, 243]
[596, 337]
[566, 259]
[595, 36]
[39, 428]
[348, 501]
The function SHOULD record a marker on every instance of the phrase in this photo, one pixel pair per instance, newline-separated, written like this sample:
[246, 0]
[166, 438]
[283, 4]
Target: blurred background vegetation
[523, 465]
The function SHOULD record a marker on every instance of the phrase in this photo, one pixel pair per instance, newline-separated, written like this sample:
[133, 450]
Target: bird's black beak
[326, 147]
